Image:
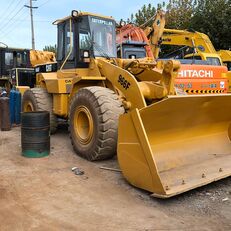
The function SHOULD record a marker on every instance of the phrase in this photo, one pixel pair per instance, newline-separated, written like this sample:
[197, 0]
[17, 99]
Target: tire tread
[108, 108]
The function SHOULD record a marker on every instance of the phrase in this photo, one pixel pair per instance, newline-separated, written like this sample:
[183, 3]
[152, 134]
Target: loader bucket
[177, 144]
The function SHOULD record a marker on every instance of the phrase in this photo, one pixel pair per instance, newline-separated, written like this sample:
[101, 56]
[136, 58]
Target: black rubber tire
[41, 101]
[105, 109]
[38, 119]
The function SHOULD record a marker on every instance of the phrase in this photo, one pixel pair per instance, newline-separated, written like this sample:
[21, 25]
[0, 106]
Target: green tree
[144, 14]
[51, 48]
[179, 13]
[214, 19]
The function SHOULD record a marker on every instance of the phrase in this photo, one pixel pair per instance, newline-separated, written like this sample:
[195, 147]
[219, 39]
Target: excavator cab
[131, 50]
[211, 59]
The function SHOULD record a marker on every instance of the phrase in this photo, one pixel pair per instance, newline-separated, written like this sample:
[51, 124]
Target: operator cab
[83, 36]
[131, 50]
[211, 60]
[185, 52]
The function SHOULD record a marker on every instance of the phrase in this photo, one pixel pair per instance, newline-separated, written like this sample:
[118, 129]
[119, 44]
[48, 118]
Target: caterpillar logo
[196, 74]
[204, 91]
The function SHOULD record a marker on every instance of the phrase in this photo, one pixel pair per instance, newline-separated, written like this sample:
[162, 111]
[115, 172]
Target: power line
[6, 34]
[7, 8]
[16, 6]
[4, 26]
[13, 23]
[15, 13]
[9, 38]
[44, 3]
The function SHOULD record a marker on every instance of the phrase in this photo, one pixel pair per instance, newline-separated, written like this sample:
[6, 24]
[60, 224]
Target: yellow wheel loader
[165, 143]
[17, 67]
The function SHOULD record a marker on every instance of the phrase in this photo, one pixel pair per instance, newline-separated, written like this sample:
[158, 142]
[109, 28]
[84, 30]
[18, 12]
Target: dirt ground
[44, 194]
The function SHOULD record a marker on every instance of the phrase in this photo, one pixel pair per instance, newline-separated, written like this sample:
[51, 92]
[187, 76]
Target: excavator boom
[199, 41]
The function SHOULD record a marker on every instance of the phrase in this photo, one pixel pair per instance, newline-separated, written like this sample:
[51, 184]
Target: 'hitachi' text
[195, 74]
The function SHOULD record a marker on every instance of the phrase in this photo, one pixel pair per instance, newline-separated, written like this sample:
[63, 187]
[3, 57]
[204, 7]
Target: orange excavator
[195, 76]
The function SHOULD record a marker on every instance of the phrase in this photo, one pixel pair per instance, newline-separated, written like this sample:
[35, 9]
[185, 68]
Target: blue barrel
[12, 106]
[35, 134]
[17, 114]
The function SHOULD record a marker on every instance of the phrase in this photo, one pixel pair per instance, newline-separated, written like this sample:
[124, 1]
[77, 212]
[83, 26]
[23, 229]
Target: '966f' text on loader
[167, 143]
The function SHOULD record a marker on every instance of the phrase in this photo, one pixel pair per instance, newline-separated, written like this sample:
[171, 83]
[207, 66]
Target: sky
[15, 27]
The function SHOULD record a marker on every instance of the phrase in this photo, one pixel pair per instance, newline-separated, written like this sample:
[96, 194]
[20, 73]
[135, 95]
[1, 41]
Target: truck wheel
[38, 99]
[93, 122]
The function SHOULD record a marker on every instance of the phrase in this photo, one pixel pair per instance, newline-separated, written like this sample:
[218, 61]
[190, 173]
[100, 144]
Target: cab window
[214, 61]
[9, 59]
[65, 41]
[84, 40]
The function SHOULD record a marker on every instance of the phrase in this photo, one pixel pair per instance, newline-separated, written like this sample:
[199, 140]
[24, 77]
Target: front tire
[93, 122]
[38, 99]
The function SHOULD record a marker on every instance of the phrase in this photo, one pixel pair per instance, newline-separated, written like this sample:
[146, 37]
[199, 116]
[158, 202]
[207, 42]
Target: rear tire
[38, 99]
[93, 122]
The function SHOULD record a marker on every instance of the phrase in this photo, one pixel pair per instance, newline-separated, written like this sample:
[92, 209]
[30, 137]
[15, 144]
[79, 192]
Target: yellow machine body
[202, 45]
[226, 57]
[168, 147]
[167, 143]
[22, 89]
[41, 57]
[205, 56]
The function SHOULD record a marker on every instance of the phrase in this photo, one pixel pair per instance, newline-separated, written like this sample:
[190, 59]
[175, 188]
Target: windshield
[103, 35]
[210, 60]
[213, 61]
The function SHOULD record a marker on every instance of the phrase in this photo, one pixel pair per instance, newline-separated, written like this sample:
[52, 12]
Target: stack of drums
[35, 134]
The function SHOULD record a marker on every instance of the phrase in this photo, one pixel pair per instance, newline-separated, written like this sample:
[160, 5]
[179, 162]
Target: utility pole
[31, 7]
